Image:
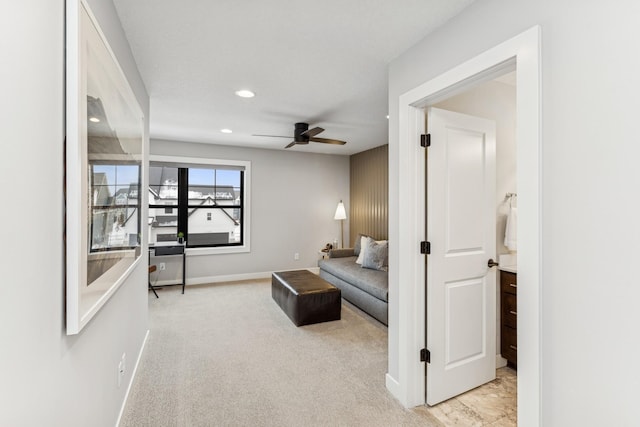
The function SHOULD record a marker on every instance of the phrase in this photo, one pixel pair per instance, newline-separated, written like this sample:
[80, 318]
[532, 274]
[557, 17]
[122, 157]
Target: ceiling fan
[302, 135]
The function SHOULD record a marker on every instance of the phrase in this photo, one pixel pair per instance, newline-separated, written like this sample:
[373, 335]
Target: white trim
[392, 385]
[501, 362]
[195, 161]
[525, 49]
[133, 375]
[220, 249]
[200, 161]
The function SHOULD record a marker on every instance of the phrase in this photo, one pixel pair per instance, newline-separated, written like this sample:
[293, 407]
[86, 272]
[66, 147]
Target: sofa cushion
[373, 282]
[375, 255]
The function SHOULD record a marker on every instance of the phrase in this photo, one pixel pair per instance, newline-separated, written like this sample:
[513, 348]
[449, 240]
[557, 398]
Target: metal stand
[173, 250]
[152, 268]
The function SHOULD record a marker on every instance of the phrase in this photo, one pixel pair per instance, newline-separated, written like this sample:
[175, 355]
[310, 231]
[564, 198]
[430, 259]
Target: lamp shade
[340, 212]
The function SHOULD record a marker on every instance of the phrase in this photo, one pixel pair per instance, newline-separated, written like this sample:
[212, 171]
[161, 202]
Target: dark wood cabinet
[509, 317]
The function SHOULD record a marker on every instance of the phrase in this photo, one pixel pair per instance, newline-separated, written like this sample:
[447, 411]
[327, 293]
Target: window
[115, 216]
[207, 202]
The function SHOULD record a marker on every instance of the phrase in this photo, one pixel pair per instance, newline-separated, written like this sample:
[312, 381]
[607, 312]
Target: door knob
[492, 263]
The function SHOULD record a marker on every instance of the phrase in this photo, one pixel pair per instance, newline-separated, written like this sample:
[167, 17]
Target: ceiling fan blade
[328, 141]
[312, 132]
[273, 136]
[291, 144]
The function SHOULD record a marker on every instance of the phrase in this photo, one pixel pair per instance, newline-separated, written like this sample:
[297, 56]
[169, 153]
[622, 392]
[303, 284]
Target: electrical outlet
[163, 266]
[296, 256]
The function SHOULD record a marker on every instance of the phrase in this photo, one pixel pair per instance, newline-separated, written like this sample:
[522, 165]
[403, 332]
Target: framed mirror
[103, 164]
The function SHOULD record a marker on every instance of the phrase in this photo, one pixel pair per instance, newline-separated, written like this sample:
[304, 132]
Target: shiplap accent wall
[369, 193]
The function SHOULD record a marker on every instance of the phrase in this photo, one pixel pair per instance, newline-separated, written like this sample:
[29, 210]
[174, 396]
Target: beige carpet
[226, 355]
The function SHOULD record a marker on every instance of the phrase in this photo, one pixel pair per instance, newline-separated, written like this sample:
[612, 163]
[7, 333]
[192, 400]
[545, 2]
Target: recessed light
[244, 93]
[226, 131]
[94, 119]
[387, 117]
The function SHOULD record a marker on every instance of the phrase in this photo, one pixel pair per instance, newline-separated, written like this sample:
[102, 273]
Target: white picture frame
[104, 170]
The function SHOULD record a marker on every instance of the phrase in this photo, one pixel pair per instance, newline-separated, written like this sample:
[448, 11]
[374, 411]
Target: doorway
[409, 330]
[471, 187]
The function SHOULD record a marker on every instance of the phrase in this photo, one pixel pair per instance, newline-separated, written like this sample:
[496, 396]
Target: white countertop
[508, 262]
[509, 268]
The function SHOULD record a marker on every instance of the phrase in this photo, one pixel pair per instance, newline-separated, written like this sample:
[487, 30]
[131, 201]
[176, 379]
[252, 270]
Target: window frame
[196, 162]
[94, 207]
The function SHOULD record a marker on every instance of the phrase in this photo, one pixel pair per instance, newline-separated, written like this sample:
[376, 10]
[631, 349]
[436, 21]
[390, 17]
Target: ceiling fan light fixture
[302, 135]
[245, 93]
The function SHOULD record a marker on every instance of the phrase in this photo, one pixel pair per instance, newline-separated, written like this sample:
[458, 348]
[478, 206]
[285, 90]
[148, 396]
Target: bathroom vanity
[509, 315]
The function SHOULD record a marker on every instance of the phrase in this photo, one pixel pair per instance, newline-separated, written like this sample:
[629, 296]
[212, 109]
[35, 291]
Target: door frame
[521, 52]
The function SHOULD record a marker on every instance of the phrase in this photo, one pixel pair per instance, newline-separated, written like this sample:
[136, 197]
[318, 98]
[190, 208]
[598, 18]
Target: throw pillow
[376, 255]
[362, 247]
[357, 246]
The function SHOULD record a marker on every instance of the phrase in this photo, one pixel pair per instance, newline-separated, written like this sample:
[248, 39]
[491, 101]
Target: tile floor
[494, 404]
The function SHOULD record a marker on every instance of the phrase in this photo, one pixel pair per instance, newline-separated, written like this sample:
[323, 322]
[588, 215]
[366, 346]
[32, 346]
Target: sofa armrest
[341, 253]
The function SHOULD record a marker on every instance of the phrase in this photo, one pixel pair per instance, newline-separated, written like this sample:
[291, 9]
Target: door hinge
[425, 355]
[425, 247]
[425, 140]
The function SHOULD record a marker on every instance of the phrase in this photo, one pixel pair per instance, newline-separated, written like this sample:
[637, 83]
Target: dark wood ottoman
[305, 297]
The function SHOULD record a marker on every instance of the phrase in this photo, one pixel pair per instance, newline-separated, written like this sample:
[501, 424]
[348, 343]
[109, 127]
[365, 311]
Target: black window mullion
[241, 207]
[183, 201]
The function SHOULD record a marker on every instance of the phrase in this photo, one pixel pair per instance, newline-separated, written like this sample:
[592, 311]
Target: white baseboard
[501, 362]
[133, 375]
[232, 277]
[228, 278]
[392, 385]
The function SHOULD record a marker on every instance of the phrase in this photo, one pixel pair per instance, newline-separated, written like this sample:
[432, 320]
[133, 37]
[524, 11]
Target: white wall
[49, 378]
[293, 199]
[589, 188]
[495, 101]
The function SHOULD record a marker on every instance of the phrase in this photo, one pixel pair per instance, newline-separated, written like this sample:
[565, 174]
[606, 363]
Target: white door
[461, 227]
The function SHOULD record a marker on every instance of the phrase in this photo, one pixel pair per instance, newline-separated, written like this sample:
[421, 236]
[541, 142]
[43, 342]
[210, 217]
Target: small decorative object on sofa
[365, 286]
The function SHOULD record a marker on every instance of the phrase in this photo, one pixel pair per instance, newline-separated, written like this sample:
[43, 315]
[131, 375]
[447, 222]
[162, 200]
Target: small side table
[171, 250]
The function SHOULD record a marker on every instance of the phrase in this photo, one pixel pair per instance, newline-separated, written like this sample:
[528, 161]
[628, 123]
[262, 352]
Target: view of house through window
[115, 218]
[204, 203]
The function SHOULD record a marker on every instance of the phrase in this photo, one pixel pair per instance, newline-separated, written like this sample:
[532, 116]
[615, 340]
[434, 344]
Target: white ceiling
[318, 61]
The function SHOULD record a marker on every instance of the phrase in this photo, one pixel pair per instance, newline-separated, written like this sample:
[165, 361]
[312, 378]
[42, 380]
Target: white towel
[511, 230]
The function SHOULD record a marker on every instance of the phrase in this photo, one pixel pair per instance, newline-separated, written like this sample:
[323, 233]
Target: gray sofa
[365, 288]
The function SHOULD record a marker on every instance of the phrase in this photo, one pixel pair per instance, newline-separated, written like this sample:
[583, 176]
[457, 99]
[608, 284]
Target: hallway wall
[49, 378]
